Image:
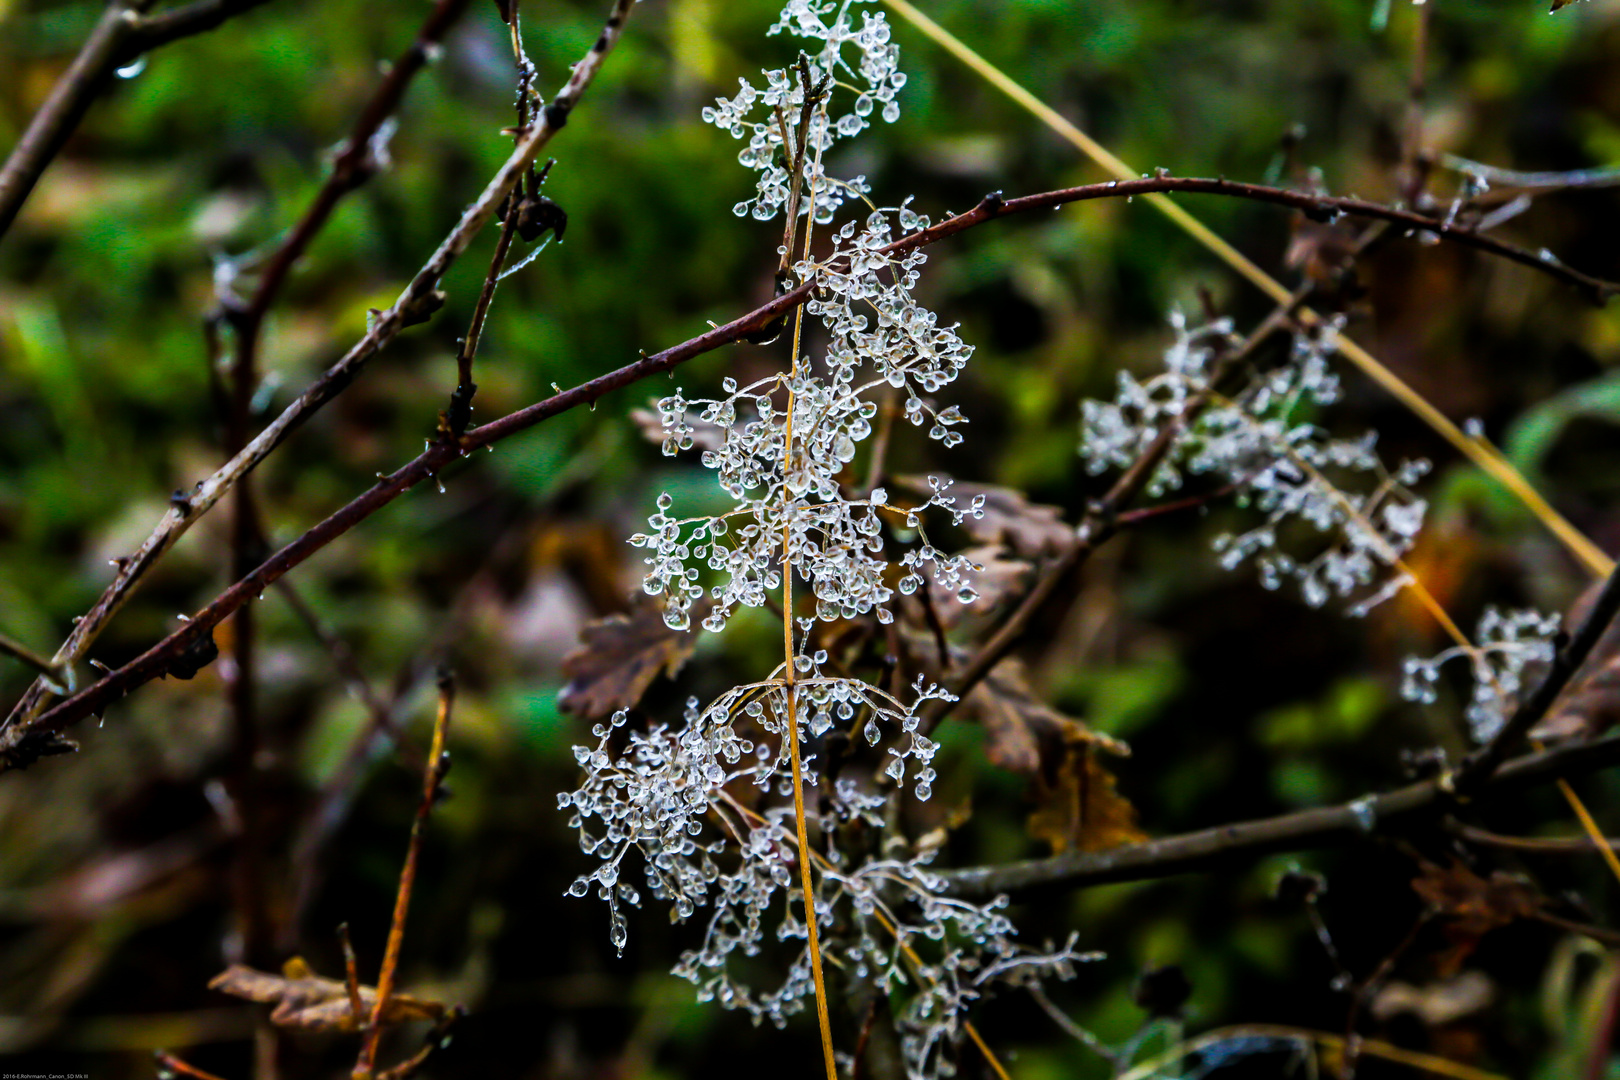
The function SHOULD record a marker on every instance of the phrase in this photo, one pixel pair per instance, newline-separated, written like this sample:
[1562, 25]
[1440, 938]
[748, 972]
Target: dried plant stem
[1488, 460]
[789, 671]
[432, 776]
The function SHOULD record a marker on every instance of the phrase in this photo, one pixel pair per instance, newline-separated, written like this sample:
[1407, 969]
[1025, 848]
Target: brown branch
[432, 777]
[1532, 845]
[120, 36]
[415, 303]
[1566, 661]
[1303, 830]
[1316, 207]
[23, 742]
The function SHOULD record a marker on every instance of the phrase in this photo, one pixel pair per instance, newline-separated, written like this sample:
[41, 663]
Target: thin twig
[1299, 831]
[18, 651]
[432, 777]
[1533, 845]
[351, 978]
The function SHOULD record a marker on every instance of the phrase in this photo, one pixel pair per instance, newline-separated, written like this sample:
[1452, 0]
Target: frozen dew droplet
[871, 732]
[132, 69]
[1365, 813]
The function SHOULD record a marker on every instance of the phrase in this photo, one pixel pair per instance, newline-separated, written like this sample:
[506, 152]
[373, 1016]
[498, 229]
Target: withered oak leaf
[618, 658]
[310, 1002]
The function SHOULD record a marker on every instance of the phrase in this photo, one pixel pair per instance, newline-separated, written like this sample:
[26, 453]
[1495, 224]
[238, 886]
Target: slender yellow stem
[790, 674]
[1484, 456]
[910, 954]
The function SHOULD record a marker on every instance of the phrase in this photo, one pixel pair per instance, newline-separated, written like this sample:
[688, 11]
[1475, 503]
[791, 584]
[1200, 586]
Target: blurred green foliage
[1238, 703]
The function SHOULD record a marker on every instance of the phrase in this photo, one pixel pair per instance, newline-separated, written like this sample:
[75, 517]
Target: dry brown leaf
[1472, 906]
[1023, 733]
[1028, 529]
[619, 656]
[1079, 807]
[1590, 704]
[305, 1000]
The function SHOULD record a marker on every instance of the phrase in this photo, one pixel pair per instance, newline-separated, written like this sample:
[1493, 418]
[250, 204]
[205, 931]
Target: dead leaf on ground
[1437, 1003]
[619, 657]
[305, 1000]
[1029, 529]
[1079, 807]
[1472, 906]
[1022, 732]
[1590, 704]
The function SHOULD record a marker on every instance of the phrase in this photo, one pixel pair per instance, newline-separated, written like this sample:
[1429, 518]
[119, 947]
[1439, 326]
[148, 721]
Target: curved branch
[1316, 207]
[20, 740]
[1301, 831]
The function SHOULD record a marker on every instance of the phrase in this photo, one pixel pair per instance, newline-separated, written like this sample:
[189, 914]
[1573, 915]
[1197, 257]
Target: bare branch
[1300, 831]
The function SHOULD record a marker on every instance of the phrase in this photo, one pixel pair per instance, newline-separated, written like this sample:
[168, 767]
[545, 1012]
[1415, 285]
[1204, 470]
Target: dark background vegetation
[114, 898]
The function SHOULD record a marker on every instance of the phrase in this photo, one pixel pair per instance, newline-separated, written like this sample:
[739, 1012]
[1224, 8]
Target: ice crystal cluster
[704, 808]
[782, 465]
[678, 798]
[1288, 468]
[1507, 644]
[766, 117]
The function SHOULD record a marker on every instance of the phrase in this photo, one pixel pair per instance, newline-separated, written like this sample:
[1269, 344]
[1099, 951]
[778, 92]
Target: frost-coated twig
[1566, 661]
[1303, 830]
[121, 35]
[1100, 523]
[415, 302]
